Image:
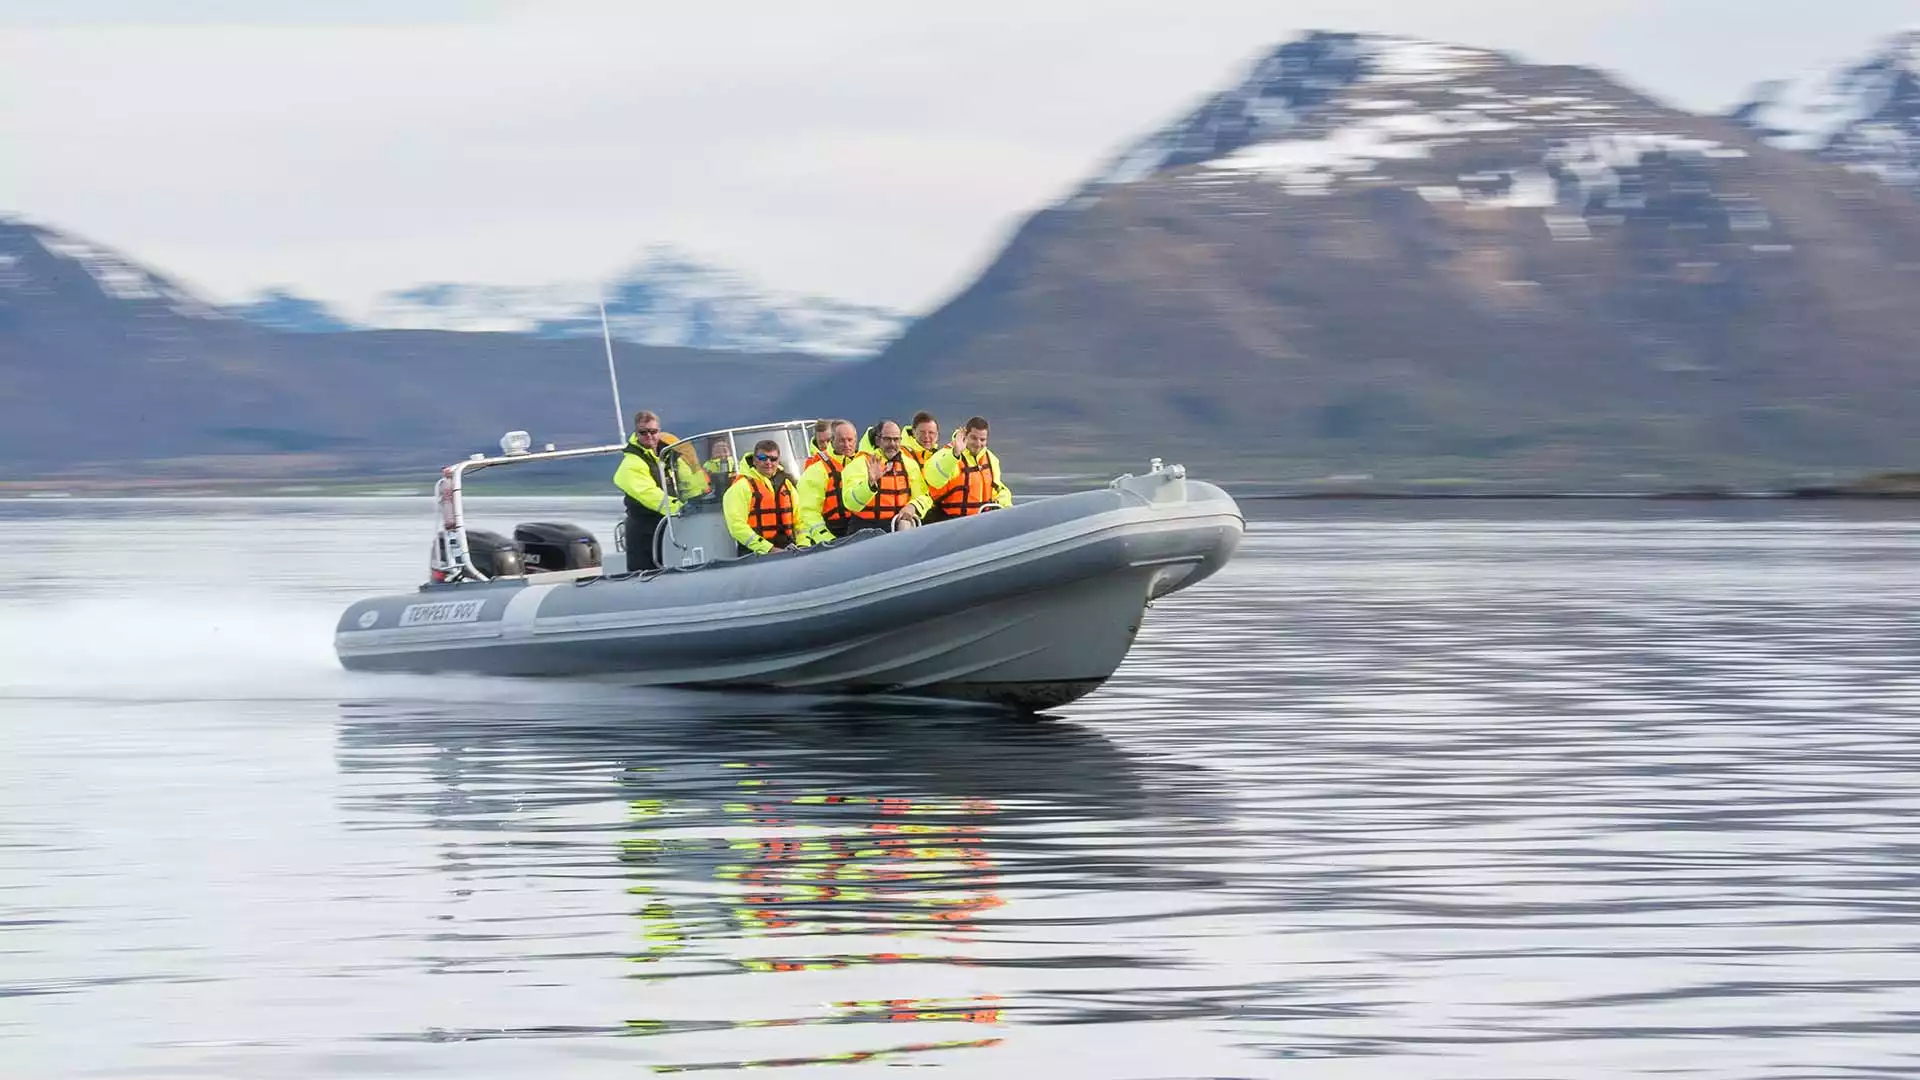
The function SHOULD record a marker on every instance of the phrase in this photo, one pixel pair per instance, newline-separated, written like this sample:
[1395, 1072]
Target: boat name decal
[446, 611]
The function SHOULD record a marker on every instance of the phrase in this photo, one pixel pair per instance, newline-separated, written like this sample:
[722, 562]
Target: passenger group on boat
[887, 477]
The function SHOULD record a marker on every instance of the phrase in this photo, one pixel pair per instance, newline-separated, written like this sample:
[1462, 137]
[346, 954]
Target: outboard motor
[556, 545]
[494, 555]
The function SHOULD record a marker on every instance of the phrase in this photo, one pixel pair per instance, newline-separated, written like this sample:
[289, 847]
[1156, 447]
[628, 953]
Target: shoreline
[1240, 493]
[1641, 496]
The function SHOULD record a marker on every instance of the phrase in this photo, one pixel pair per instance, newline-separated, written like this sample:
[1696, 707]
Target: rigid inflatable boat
[1031, 606]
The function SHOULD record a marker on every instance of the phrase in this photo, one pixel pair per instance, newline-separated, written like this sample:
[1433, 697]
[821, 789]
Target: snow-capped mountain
[1865, 116]
[1375, 254]
[113, 368]
[1292, 91]
[1356, 111]
[665, 298]
[39, 261]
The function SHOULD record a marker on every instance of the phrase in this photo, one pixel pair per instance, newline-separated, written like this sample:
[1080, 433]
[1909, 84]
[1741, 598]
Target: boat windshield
[701, 467]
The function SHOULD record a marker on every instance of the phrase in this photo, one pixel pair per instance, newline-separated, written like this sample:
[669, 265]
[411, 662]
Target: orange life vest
[890, 496]
[833, 509]
[771, 515]
[970, 490]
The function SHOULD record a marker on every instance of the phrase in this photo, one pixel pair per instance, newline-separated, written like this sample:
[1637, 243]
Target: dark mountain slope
[109, 368]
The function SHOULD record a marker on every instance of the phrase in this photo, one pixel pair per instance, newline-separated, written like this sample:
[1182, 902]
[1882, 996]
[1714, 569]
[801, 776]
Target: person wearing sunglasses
[641, 479]
[759, 504]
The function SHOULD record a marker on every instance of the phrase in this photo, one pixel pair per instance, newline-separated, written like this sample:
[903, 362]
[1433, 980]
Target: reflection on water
[788, 864]
[1535, 791]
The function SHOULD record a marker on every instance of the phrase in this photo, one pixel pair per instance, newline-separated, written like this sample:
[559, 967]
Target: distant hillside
[284, 309]
[111, 369]
[665, 298]
[1378, 256]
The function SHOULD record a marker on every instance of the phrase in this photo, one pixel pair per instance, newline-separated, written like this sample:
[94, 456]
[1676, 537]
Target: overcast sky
[875, 150]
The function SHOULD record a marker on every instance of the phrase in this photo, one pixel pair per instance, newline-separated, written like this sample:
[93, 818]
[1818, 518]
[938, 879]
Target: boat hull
[1029, 607]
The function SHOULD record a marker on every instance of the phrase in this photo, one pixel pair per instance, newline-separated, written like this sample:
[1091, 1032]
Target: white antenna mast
[619, 414]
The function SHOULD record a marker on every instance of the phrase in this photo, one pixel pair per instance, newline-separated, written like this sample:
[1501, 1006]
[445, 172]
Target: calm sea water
[1450, 791]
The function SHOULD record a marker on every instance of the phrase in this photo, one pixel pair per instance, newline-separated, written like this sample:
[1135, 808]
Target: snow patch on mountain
[666, 298]
[1606, 175]
[117, 277]
[14, 271]
[1330, 109]
[1467, 130]
[1597, 166]
[1312, 164]
[1286, 89]
[1865, 116]
[478, 308]
[1401, 61]
[283, 309]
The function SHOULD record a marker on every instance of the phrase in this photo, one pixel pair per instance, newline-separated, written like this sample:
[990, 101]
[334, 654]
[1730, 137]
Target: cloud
[123, 13]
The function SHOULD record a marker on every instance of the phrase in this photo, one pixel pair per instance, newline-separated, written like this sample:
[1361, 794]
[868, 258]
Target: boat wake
[144, 651]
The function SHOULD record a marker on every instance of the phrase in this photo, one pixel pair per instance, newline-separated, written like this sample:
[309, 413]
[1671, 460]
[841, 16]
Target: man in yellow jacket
[821, 511]
[642, 479]
[964, 477]
[822, 438]
[882, 482]
[923, 439]
[718, 470]
[760, 503]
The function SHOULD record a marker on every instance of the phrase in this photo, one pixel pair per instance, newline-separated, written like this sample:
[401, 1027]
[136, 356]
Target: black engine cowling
[556, 545]
[494, 555]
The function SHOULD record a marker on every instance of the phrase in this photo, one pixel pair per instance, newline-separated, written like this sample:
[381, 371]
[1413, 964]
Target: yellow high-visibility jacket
[737, 504]
[911, 447]
[944, 469]
[641, 476]
[809, 509]
[720, 472]
[860, 490]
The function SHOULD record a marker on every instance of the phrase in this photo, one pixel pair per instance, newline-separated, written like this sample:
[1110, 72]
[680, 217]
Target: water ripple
[1499, 796]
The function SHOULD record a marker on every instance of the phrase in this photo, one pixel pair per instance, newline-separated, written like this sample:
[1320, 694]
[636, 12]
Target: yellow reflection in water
[797, 866]
[852, 1057]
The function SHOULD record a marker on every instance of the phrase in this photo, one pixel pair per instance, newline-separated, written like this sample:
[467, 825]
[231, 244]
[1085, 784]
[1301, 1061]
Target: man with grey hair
[820, 511]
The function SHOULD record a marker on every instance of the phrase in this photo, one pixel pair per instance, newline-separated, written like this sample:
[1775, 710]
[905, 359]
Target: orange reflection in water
[852, 1057]
[798, 866]
[868, 866]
